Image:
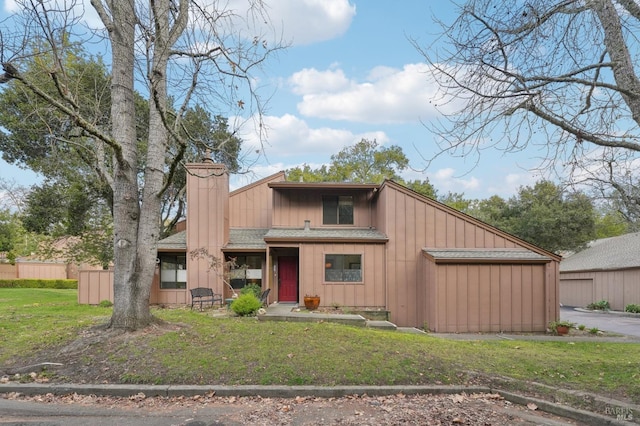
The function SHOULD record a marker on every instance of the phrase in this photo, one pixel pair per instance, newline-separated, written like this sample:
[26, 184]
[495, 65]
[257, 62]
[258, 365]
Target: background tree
[69, 164]
[163, 45]
[363, 162]
[560, 74]
[544, 215]
[367, 162]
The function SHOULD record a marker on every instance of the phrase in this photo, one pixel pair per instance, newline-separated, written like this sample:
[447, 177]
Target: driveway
[605, 321]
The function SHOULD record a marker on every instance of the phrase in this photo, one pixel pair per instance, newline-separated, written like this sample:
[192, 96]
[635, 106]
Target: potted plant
[311, 302]
[560, 327]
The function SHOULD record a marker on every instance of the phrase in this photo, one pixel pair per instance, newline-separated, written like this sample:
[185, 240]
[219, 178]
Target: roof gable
[392, 185]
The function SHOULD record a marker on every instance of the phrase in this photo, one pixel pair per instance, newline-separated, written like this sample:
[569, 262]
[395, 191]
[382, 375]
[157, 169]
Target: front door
[288, 279]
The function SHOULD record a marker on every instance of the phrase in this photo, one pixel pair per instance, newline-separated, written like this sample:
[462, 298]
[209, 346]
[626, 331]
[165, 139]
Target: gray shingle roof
[246, 239]
[485, 254]
[606, 254]
[325, 234]
[177, 241]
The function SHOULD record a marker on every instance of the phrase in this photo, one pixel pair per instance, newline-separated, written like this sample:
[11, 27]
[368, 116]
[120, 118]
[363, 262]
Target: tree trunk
[132, 277]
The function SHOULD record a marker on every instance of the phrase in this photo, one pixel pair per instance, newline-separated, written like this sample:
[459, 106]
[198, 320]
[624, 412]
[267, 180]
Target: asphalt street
[606, 321]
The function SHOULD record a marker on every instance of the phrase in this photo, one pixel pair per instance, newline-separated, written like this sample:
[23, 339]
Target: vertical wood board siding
[252, 205]
[95, 286]
[413, 223]
[292, 208]
[489, 298]
[369, 293]
[207, 221]
[619, 287]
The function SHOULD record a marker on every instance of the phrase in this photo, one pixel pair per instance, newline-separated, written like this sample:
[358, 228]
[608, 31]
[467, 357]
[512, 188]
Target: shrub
[581, 327]
[254, 289]
[602, 305]
[38, 283]
[594, 330]
[633, 308]
[246, 305]
[105, 304]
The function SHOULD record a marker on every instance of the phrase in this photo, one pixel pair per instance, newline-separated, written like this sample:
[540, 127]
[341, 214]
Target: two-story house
[364, 246]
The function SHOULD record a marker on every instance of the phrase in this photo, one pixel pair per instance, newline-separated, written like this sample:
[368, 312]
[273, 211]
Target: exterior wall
[42, 270]
[292, 208]
[8, 271]
[412, 223]
[94, 286]
[370, 293]
[251, 206]
[488, 298]
[620, 288]
[207, 222]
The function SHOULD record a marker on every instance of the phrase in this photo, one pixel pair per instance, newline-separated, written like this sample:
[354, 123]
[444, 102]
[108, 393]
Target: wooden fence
[95, 286]
[34, 270]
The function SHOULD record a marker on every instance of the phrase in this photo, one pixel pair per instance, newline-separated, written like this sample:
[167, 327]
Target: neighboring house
[609, 269]
[365, 246]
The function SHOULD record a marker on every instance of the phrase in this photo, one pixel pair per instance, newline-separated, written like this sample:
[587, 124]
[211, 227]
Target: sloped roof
[470, 219]
[606, 254]
[239, 239]
[323, 234]
[177, 241]
[246, 239]
[485, 254]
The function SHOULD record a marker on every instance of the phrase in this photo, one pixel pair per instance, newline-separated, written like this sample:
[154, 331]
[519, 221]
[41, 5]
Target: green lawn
[197, 348]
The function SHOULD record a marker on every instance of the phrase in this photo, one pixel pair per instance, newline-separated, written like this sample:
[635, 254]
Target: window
[248, 270]
[173, 271]
[337, 210]
[343, 268]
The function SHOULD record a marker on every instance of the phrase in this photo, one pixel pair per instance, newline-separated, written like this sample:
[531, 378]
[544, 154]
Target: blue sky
[352, 73]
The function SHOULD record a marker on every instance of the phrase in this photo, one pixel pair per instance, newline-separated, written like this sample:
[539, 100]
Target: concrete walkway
[291, 312]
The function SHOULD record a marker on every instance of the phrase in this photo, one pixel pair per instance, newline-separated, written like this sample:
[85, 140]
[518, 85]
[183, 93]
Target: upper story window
[337, 210]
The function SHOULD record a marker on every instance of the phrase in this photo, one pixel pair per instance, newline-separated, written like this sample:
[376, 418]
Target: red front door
[288, 279]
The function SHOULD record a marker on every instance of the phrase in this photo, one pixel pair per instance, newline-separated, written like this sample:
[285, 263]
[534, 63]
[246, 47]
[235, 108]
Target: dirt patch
[464, 409]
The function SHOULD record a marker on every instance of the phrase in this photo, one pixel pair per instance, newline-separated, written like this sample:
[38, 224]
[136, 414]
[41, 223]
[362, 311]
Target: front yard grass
[196, 348]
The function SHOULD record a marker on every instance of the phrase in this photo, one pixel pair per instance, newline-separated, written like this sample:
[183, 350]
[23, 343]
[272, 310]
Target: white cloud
[310, 21]
[81, 10]
[388, 95]
[289, 136]
[310, 80]
[300, 22]
[444, 180]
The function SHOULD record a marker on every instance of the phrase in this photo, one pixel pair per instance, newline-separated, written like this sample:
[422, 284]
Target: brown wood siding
[370, 293]
[207, 222]
[252, 205]
[576, 292]
[8, 271]
[292, 208]
[95, 286]
[412, 223]
[488, 298]
[42, 270]
[620, 288]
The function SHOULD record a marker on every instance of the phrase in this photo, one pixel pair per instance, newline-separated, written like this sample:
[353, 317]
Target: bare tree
[559, 76]
[185, 50]
[12, 195]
